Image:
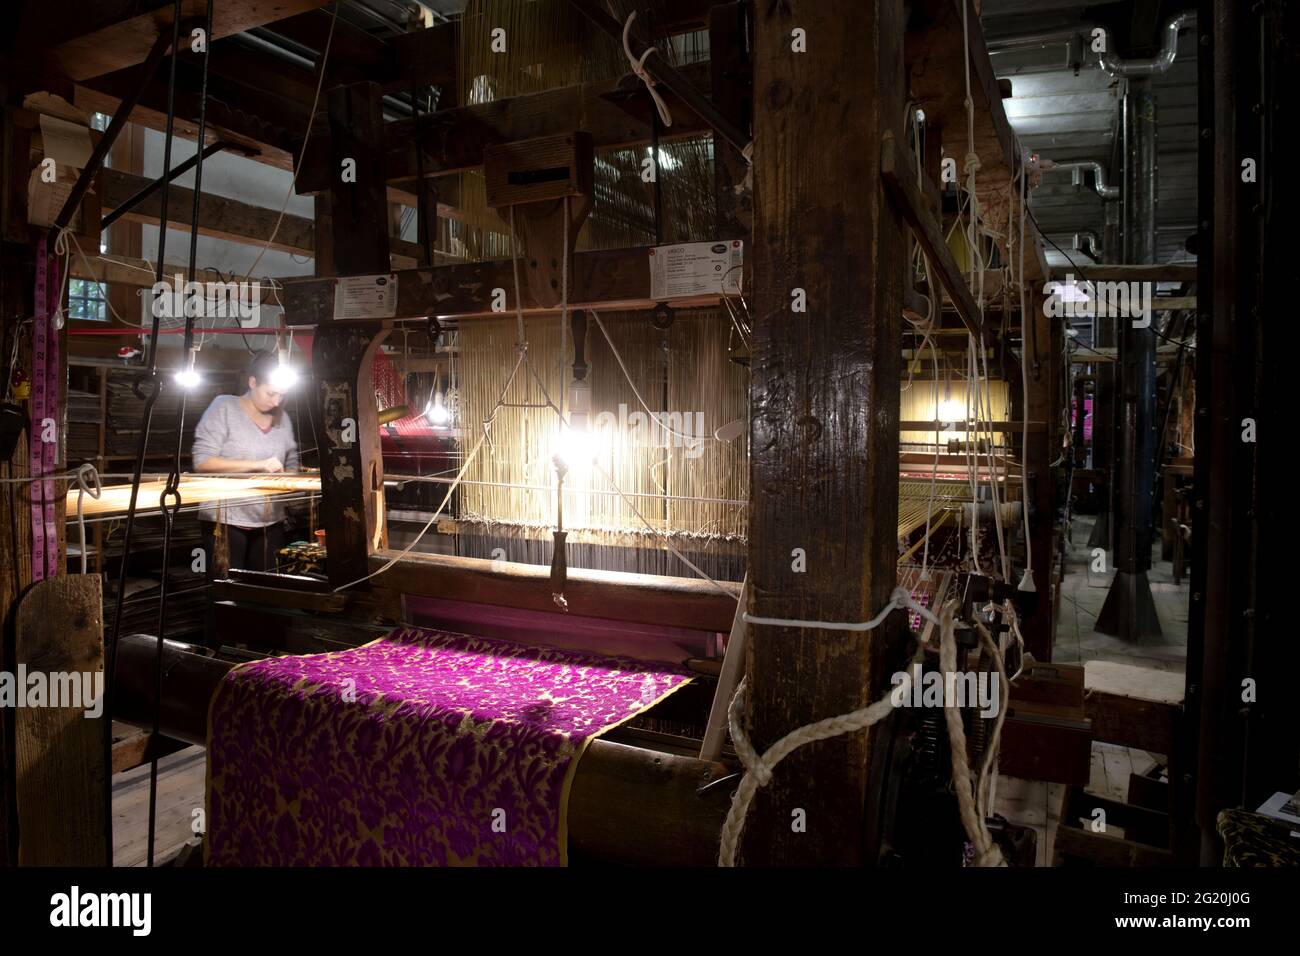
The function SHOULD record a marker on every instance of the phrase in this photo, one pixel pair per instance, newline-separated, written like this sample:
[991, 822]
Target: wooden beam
[453, 140]
[126, 42]
[897, 165]
[1174, 272]
[219, 217]
[347, 435]
[610, 279]
[358, 201]
[824, 481]
[615, 595]
[224, 218]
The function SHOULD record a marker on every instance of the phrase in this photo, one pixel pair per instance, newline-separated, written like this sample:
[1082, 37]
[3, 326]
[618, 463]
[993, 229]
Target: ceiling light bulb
[188, 378]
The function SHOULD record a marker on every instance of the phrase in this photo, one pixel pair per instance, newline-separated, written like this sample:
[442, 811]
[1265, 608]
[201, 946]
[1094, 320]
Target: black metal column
[1129, 611]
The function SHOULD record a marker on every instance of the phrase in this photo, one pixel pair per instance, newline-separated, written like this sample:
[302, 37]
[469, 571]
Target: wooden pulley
[543, 186]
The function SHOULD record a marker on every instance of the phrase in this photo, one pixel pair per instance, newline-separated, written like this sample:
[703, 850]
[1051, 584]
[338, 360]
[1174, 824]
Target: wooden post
[359, 191]
[732, 92]
[347, 441]
[352, 239]
[825, 410]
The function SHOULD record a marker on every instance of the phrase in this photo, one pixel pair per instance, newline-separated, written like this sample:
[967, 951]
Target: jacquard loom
[664, 402]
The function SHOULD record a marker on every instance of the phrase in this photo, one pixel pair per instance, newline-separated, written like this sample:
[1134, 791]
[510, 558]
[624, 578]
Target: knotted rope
[758, 768]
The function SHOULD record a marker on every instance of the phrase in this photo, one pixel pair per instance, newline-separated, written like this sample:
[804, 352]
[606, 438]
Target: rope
[84, 473]
[758, 768]
[638, 67]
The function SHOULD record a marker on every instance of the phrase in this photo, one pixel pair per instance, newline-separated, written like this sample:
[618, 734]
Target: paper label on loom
[365, 297]
[695, 269]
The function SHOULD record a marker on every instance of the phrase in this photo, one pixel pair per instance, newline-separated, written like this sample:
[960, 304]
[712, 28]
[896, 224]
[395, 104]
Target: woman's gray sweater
[226, 431]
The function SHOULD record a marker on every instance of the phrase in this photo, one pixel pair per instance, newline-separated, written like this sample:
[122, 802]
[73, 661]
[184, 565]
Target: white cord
[654, 416]
[638, 67]
[758, 769]
[86, 473]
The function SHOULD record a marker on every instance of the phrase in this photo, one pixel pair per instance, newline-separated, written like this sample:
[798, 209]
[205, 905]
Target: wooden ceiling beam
[125, 42]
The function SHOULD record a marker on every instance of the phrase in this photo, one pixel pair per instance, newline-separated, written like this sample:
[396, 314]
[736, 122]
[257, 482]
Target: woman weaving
[242, 434]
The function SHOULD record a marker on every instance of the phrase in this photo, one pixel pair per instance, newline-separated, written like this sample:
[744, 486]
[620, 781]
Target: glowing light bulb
[578, 446]
[437, 413]
[284, 377]
[189, 377]
[952, 411]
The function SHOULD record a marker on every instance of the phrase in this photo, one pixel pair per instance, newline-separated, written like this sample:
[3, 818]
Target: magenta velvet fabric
[422, 748]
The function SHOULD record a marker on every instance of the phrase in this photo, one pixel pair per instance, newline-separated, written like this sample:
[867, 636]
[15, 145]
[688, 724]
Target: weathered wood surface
[615, 595]
[614, 279]
[60, 759]
[347, 435]
[824, 396]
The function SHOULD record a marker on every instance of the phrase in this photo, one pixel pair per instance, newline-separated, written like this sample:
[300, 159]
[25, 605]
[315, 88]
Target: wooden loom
[630, 783]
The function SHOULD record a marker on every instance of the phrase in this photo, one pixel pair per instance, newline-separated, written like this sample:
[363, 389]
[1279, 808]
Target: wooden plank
[1172, 272]
[129, 271]
[454, 139]
[127, 41]
[614, 279]
[1134, 706]
[60, 767]
[219, 217]
[224, 218]
[823, 481]
[614, 595]
[896, 166]
[733, 658]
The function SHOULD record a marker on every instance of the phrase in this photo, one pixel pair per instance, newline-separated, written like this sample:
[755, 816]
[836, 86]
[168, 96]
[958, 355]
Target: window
[86, 300]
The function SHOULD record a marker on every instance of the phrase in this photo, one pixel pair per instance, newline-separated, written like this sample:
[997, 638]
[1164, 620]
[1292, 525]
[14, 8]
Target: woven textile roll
[423, 748]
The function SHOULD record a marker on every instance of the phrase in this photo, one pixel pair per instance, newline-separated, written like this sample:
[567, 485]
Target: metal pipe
[1160, 63]
[1110, 64]
[1086, 241]
[1098, 172]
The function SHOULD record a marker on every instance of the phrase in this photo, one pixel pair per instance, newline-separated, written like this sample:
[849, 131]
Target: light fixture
[284, 376]
[577, 441]
[951, 411]
[189, 377]
[437, 413]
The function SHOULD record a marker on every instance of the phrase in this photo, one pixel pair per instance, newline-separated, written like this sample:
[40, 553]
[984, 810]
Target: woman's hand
[271, 465]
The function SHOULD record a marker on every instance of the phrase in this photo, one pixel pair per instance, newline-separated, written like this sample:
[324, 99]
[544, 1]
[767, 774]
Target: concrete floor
[1035, 803]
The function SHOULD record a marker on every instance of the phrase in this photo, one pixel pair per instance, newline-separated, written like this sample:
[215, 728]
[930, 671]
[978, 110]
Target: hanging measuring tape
[44, 455]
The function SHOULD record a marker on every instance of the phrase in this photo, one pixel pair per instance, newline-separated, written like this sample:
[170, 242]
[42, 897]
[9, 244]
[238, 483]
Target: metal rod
[115, 127]
[154, 186]
[663, 72]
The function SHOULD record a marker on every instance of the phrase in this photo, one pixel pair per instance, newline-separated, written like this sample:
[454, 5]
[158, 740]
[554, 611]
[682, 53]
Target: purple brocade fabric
[422, 749]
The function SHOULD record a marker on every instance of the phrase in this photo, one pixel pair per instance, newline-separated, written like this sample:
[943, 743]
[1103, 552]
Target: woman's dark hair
[261, 365]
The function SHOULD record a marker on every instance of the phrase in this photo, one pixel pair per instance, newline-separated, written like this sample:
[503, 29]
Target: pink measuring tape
[44, 455]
